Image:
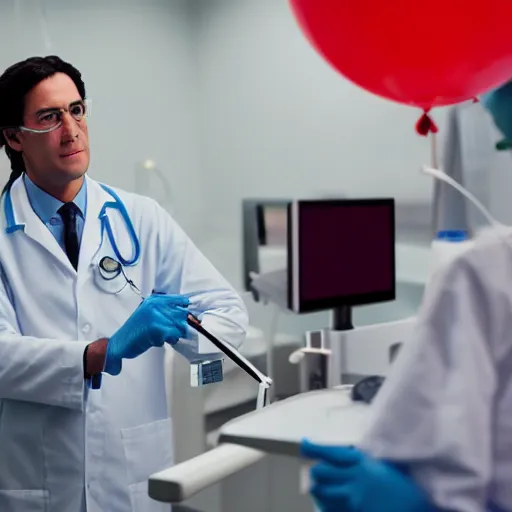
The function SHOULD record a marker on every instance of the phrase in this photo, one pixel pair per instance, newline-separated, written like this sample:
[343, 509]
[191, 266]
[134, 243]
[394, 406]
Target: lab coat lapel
[33, 226]
[92, 235]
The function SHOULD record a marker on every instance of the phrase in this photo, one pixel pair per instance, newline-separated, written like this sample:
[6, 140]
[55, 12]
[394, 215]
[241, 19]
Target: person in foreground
[440, 437]
[94, 281]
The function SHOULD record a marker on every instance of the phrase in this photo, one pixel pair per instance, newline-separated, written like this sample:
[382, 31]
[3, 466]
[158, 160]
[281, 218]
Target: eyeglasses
[49, 119]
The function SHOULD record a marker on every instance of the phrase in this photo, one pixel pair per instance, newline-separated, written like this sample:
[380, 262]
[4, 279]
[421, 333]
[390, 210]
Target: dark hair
[15, 83]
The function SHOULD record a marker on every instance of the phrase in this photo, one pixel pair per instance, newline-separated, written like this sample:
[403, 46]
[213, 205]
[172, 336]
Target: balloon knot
[425, 125]
[476, 100]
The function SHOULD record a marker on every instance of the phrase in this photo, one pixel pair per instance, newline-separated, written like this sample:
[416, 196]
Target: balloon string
[426, 125]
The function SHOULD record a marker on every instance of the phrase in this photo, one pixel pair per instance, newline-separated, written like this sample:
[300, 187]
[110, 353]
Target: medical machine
[327, 416]
[340, 254]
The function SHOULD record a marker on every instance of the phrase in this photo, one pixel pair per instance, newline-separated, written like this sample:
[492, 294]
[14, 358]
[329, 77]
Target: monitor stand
[341, 322]
[342, 319]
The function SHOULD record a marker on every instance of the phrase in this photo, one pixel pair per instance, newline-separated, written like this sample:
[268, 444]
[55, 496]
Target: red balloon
[424, 54]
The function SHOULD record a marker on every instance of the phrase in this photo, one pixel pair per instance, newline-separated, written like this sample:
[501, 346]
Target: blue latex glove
[348, 480]
[158, 319]
[499, 104]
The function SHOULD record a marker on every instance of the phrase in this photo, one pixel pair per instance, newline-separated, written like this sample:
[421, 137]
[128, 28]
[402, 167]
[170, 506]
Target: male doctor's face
[58, 157]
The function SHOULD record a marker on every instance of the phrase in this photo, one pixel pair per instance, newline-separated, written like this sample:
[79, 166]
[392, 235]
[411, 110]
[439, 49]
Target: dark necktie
[68, 212]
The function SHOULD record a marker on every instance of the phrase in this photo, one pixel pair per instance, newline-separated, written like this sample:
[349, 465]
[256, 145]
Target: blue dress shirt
[46, 207]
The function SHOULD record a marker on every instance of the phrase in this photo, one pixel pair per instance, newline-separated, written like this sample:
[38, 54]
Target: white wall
[277, 120]
[137, 62]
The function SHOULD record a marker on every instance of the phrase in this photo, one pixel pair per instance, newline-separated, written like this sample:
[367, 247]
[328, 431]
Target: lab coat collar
[20, 216]
[47, 206]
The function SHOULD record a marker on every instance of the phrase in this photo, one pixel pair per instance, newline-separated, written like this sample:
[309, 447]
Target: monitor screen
[341, 252]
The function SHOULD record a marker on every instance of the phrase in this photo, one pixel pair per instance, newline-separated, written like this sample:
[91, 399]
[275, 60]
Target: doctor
[440, 437]
[68, 314]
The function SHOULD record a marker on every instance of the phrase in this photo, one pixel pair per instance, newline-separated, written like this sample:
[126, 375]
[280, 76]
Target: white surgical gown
[445, 410]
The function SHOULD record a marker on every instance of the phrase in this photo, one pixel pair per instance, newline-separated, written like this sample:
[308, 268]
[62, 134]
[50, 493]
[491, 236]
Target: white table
[325, 416]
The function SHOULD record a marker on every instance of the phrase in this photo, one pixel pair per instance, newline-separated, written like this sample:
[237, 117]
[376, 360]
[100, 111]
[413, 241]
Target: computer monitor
[264, 235]
[340, 253]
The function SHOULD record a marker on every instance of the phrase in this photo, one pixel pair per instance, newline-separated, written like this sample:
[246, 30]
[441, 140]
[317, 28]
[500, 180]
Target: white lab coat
[57, 438]
[446, 408]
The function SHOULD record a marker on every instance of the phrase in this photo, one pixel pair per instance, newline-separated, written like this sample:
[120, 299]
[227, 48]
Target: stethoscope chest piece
[109, 268]
[112, 278]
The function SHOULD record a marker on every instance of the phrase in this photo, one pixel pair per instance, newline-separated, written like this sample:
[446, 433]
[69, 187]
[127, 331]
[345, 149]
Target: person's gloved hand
[348, 480]
[158, 319]
[499, 104]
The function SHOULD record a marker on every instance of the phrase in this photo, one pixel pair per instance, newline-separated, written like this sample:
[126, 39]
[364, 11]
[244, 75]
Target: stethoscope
[109, 268]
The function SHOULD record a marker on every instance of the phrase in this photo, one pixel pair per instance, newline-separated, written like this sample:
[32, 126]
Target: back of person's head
[15, 83]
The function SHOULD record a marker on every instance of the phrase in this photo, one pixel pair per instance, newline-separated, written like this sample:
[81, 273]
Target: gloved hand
[499, 104]
[158, 319]
[348, 480]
